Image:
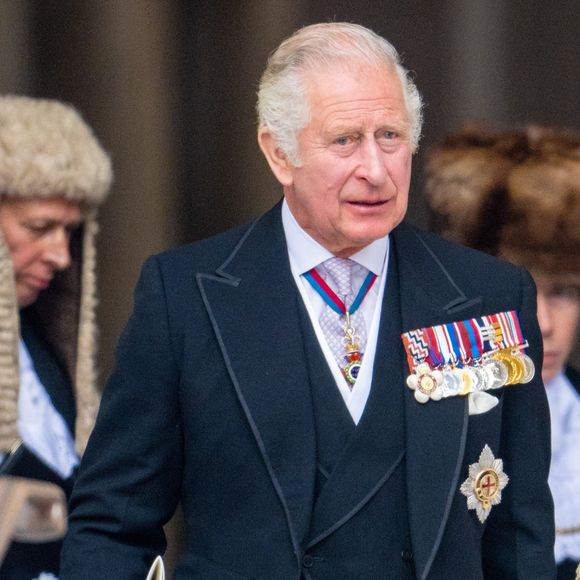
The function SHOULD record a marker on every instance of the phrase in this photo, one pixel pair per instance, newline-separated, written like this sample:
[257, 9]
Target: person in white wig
[53, 176]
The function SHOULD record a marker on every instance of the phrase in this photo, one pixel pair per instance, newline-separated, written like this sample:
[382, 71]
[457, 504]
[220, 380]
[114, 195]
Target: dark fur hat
[514, 194]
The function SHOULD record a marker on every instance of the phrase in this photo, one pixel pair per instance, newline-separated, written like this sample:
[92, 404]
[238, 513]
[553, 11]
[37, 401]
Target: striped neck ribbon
[331, 298]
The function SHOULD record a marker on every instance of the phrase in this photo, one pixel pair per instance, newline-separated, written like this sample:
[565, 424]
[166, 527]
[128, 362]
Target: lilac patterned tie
[337, 273]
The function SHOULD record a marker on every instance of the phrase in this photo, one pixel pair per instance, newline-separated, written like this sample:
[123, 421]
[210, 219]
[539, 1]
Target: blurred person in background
[53, 176]
[516, 194]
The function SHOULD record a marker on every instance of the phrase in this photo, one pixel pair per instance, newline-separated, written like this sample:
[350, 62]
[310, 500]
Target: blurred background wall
[169, 87]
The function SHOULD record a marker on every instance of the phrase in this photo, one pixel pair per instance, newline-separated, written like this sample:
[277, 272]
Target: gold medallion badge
[485, 483]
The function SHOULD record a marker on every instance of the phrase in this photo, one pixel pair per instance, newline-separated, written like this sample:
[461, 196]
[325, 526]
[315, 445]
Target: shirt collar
[558, 381]
[307, 253]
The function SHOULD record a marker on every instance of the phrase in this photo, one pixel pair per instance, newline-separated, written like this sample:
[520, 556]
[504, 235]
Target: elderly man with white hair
[330, 392]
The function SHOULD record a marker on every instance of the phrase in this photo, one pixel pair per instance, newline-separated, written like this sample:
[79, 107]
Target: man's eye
[389, 135]
[343, 140]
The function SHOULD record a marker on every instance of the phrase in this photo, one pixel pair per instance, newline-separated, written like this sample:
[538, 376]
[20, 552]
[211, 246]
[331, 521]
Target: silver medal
[499, 372]
[530, 368]
[452, 383]
[482, 378]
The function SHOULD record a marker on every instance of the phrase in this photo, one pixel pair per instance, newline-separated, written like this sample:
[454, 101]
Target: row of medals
[492, 371]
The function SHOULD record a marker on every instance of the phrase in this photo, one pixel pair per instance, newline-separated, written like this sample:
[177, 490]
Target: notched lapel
[425, 278]
[252, 303]
[435, 431]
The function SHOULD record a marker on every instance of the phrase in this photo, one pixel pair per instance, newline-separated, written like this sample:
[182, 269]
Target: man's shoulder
[210, 253]
[458, 257]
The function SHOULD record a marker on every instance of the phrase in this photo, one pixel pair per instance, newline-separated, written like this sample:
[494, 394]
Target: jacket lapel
[252, 301]
[436, 431]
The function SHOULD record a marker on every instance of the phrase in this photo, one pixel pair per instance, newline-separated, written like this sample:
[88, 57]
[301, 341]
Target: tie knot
[339, 274]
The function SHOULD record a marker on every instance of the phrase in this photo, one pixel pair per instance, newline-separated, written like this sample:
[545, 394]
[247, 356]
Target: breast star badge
[485, 483]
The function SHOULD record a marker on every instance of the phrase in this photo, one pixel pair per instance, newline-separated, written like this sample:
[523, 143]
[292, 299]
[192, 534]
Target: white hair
[283, 106]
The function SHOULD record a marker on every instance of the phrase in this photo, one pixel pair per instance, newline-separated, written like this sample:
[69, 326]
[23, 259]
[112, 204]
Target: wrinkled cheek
[406, 164]
[400, 202]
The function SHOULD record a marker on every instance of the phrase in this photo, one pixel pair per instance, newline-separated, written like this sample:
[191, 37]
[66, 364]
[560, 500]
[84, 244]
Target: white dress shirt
[305, 253]
[564, 476]
[41, 426]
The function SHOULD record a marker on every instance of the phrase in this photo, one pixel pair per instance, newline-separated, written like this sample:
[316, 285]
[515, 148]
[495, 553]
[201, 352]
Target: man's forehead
[349, 68]
[346, 94]
[355, 122]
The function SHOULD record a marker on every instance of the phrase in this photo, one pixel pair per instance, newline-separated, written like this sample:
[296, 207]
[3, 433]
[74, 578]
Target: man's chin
[369, 235]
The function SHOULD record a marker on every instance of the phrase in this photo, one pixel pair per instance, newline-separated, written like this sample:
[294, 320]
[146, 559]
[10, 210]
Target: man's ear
[276, 158]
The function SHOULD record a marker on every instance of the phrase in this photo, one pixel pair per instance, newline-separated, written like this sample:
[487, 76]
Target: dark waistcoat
[372, 541]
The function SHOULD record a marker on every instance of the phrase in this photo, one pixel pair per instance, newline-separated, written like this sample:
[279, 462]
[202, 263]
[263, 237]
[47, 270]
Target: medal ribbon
[474, 338]
[435, 354]
[460, 343]
[455, 344]
[330, 297]
[510, 326]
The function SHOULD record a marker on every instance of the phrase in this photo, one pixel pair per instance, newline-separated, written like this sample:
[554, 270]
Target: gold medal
[520, 368]
[468, 381]
[514, 365]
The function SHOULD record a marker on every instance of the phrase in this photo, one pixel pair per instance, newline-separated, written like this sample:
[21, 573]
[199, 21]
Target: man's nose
[58, 250]
[544, 315]
[372, 166]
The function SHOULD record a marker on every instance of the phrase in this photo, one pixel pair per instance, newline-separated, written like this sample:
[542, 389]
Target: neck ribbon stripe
[331, 298]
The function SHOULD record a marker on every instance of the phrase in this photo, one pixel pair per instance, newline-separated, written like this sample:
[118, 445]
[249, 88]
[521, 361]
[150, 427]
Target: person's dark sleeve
[129, 480]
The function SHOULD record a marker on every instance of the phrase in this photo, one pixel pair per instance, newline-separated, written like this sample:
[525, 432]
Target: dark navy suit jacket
[210, 405]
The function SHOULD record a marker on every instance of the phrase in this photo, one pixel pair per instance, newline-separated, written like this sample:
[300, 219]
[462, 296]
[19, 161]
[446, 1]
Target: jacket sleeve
[129, 480]
[519, 537]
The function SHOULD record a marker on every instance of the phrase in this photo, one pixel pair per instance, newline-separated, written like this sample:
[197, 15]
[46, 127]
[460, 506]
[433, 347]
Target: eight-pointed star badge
[484, 485]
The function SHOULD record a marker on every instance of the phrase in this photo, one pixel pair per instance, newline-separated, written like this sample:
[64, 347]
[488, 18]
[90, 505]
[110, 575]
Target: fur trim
[47, 150]
[513, 194]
